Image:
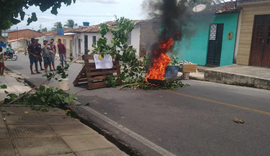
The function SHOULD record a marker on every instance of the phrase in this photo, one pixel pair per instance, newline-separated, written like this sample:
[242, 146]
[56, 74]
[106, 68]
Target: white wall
[42, 38]
[135, 39]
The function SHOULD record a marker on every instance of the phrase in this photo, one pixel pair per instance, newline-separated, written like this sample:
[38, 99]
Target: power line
[81, 15]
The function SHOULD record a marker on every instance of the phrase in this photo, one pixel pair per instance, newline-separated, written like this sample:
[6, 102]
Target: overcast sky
[93, 11]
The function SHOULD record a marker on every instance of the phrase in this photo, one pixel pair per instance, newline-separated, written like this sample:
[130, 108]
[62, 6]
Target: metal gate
[215, 44]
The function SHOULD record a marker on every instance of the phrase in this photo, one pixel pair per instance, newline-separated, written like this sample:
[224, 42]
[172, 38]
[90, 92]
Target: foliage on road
[133, 68]
[48, 97]
[3, 86]
[13, 11]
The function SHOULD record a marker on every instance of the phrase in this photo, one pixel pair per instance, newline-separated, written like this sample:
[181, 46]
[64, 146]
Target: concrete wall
[248, 12]
[149, 33]
[195, 48]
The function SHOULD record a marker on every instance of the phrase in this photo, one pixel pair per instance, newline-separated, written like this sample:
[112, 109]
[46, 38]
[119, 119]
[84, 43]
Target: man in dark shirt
[38, 51]
[62, 52]
[33, 55]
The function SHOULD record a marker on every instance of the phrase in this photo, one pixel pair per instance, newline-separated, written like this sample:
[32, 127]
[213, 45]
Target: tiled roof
[111, 24]
[17, 39]
[227, 7]
[252, 0]
[53, 33]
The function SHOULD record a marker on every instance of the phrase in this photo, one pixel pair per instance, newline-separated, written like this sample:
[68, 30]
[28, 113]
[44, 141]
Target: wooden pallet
[95, 78]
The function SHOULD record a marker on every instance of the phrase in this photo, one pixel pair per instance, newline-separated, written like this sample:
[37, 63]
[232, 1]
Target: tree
[44, 30]
[57, 25]
[70, 24]
[11, 10]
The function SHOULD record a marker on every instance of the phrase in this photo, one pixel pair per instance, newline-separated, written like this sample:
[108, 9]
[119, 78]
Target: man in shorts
[38, 52]
[46, 55]
[62, 52]
[32, 55]
[52, 52]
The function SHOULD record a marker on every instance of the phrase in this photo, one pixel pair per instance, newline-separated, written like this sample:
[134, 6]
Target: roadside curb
[108, 135]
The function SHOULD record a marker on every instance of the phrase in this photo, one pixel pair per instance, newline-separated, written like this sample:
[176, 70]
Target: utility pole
[17, 38]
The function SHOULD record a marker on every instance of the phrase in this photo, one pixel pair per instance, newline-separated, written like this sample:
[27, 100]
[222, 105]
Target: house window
[213, 32]
[94, 40]
[65, 42]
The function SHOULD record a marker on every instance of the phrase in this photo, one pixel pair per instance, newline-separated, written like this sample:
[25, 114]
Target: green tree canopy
[44, 30]
[70, 24]
[11, 10]
[57, 25]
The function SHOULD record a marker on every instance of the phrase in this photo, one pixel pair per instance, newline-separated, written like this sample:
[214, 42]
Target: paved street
[195, 120]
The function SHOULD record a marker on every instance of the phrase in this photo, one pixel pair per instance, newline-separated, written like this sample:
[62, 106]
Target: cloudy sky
[93, 11]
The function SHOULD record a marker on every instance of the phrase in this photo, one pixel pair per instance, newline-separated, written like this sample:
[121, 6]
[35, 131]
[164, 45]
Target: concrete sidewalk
[257, 77]
[25, 132]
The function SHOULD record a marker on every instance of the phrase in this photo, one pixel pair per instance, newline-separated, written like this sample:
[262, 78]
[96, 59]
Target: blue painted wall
[194, 49]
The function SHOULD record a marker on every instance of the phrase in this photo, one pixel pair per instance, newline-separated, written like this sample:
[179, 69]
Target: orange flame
[157, 70]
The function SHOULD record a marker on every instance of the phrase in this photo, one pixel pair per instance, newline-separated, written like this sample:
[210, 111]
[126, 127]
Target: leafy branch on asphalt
[44, 96]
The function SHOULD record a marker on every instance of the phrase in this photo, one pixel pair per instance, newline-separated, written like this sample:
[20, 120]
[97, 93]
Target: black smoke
[177, 19]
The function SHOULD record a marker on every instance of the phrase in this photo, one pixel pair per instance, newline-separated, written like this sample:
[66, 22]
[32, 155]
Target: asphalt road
[195, 120]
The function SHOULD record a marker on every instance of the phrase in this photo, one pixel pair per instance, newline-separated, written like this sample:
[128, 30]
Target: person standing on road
[2, 63]
[46, 55]
[52, 52]
[62, 52]
[32, 55]
[38, 53]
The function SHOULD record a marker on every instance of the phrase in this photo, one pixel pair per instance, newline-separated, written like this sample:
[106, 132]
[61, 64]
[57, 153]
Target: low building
[254, 33]
[212, 39]
[24, 33]
[141, 38]
[19, 39]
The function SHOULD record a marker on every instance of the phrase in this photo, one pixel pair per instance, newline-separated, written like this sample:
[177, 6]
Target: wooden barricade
[95, 78]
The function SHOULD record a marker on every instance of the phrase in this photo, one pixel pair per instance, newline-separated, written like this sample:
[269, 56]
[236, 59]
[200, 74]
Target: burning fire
[160, 61]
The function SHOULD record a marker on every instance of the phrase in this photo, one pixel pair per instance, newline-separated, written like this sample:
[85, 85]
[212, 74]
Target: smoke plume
[177, 19]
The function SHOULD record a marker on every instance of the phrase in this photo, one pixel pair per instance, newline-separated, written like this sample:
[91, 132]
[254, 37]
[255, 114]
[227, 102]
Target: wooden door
[266, 51]
[260, 50]
[215, 44]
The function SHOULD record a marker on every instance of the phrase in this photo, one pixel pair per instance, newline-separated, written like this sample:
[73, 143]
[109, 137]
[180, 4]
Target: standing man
[62, 52]
[38, 53]
[32, 55]
[52, 52]
[46, 55]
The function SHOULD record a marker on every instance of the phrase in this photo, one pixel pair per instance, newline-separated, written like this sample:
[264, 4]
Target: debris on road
[236, 120]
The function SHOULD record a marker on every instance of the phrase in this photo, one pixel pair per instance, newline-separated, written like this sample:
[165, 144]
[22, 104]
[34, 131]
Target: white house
[141, 38]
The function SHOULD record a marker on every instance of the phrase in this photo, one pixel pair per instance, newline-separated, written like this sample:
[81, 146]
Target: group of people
[45, 53]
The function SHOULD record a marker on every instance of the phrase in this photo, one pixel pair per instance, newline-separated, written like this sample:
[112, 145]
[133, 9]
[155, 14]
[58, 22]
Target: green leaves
[49, 97]
[111, 80]
[10, 10]
[31, 19]
[3, 86]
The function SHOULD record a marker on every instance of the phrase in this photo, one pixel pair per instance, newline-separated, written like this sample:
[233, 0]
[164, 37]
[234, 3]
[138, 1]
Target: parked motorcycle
[12, 56]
